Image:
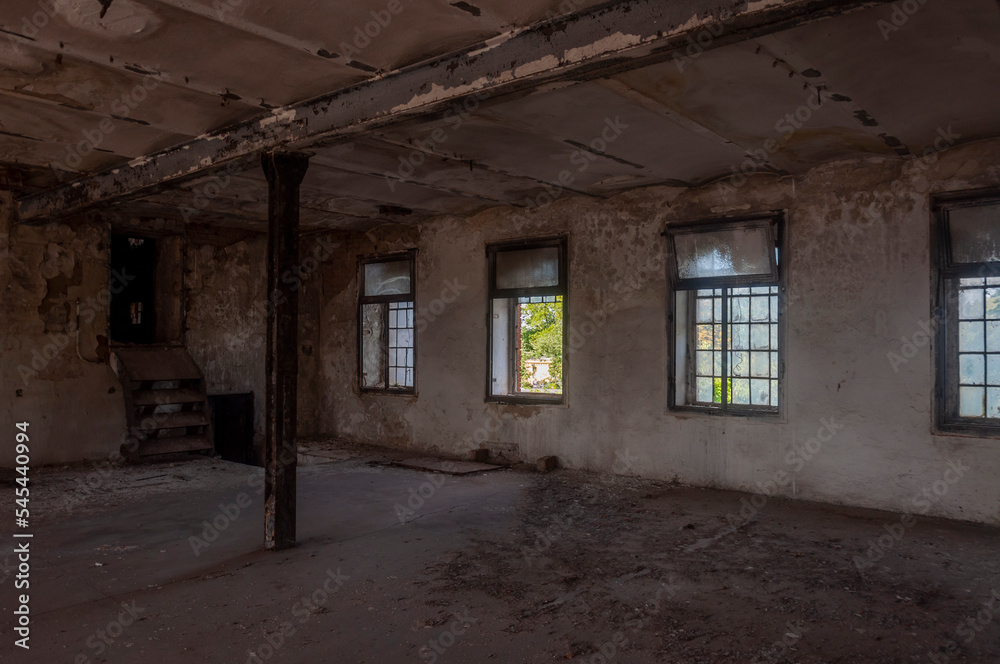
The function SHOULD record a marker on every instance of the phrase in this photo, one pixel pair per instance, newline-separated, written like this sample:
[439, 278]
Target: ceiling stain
[466, 7]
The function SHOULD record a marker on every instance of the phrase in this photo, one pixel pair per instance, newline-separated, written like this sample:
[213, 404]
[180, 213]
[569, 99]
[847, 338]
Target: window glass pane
[527, 268]
[972, 369]
[992, 402]
[760, 337]
[741, 309]
[372, 353]
[705, 311]
[704, 363]
[724, 253]
[705, 337]
[970, 337]
[975, 233]
[971, 401]
[704, 390]
[993, 370]
[760, 393]
[740, 337]
[774, 393]
[970, 303]
[993, 336]
[993, 303]
[741, 391]
[760, 365]
[390, 278]
[739, 364]
[761, 309]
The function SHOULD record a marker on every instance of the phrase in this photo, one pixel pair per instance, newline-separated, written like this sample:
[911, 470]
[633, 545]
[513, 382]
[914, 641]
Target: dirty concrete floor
[507, 566]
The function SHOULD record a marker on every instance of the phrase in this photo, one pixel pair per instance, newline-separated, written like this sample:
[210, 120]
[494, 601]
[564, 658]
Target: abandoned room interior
[529, 331]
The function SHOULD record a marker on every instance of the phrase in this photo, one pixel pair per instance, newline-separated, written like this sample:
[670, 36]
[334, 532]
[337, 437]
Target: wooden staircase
[165, 401]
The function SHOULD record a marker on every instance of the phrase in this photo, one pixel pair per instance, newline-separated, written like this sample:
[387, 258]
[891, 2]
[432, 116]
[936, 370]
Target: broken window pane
[724, 253]
[527, 268]
[975, 233]
[387, 278]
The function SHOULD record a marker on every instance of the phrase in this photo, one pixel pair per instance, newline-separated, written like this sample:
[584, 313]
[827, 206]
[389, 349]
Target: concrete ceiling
[155, 74]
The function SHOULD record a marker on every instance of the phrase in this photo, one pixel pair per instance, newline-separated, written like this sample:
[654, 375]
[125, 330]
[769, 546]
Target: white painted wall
[855, 287]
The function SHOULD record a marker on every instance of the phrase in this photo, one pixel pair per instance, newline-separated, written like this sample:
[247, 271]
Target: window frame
[945, 286]
[409, 255]
[776, 223]
[512, 295]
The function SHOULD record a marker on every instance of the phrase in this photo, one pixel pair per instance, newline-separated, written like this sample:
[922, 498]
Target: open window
[726, 288]
[967, 315]
[528, 301]
[387, 340]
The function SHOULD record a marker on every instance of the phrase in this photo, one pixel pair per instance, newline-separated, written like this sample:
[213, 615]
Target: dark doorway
[133, 289]
[232, 425]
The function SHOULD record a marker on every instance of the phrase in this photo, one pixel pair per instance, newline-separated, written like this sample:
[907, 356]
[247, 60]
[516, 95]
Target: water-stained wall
[54, 281]
[856, 426]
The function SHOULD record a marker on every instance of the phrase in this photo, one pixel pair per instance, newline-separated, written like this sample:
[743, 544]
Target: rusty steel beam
[284, 171]
[589, 44]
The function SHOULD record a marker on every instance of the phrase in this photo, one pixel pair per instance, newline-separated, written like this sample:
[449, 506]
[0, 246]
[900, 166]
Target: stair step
[184, 418]
[158, 364]
[163, 397]
[172, 444]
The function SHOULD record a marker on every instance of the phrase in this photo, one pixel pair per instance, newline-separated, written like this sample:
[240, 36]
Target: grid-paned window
[736, 346]
[967, 315]
[387, 335]
[401, 360]
[726, 323]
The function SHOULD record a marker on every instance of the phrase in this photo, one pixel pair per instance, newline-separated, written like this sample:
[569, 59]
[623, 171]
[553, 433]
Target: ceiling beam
[591, 43]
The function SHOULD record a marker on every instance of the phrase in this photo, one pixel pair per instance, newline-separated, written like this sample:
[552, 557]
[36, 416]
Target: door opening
[133, 298]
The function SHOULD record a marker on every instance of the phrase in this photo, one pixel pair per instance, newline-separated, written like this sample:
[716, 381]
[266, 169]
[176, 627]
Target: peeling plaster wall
[855, 288]
[227, 306]
[74, 406]
[226, 332]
